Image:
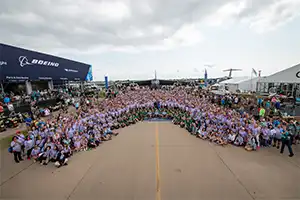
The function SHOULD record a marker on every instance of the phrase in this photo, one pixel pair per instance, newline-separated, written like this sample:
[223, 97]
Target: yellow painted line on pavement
[158, 196]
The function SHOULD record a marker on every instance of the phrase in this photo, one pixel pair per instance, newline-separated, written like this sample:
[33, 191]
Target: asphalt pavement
[156, 161]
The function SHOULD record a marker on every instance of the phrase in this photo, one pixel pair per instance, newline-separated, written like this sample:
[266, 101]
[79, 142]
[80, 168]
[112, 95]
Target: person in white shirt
[29, 144]
[236, 100]
[16, 149]
[21, 139]
[47, 112]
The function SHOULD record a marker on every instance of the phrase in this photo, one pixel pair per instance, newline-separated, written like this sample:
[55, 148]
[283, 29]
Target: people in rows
[94, 122]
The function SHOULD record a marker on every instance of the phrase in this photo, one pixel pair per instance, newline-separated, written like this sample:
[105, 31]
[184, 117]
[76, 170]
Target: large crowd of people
[196, 110]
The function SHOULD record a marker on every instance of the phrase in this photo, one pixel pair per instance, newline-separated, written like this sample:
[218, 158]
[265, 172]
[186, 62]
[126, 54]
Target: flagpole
[258, 87]
[205, 78]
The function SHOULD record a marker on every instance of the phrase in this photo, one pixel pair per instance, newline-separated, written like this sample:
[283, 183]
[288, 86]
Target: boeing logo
[3, 63]
[71, 70]
[24, 61]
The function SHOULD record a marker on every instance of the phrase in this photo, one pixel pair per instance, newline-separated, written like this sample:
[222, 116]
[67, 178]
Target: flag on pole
[106, 82]
[254, 72]
[205, 78]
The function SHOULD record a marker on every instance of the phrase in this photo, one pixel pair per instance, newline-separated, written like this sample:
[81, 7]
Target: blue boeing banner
[89, 76]
[17, 64]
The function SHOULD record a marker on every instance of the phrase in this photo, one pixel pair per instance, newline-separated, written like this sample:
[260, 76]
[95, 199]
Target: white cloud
[260, 15]
[88, 26]
[225, 13]
[25, 19]
[102, 10]
[158, 29]
[187, 35]
[275, 15]
[112, 10]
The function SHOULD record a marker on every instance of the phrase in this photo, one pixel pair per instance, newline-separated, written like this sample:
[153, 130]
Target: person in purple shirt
[16, 149]
[29, 144]
[35, 153]
[44, 156]
[239, 141]
[53, 154]
[277, 136]
[251, 145]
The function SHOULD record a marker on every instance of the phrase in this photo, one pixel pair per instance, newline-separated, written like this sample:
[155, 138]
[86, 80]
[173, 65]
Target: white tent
[290, 75]
[240, 83]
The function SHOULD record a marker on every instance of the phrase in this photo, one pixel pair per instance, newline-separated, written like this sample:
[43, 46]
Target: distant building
[34, 70]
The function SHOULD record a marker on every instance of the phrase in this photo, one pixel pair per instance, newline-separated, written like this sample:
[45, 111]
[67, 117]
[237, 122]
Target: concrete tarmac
[156, 161]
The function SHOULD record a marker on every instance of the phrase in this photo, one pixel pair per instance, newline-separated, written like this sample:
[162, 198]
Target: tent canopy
[235, 80]
[241, 83]
[290, 75]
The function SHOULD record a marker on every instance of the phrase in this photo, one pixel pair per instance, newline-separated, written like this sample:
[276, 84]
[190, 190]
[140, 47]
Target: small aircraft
[230, 71]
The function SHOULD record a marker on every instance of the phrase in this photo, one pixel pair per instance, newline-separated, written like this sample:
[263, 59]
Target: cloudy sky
[129, 39]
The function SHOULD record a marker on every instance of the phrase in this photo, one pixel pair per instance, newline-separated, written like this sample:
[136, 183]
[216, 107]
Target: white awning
[290, 75]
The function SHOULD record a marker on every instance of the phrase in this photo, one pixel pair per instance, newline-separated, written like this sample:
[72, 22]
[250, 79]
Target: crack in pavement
[236, 177]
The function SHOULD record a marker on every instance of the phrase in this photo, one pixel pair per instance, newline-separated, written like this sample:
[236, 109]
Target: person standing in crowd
[1, 109]
[297, 137]
[16, 149]
[6, 100]
[262, 112]
[292, 130]
[10, 107]
[76, 105]
[21, 139]
[259, 101]
[286, 139]
[28, 121]
[59, 137]
[277, 105]
[268, 106]
[28, 144]
[277, 136]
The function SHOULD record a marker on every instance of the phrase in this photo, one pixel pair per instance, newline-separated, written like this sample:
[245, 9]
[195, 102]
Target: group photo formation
[150, 100]
[217, 119]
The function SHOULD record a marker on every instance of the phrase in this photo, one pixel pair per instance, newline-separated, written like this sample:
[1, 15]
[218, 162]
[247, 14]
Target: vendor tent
[290, 75]
[240, 83]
